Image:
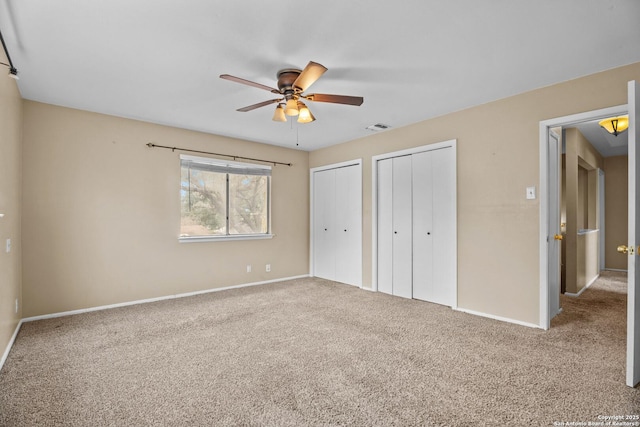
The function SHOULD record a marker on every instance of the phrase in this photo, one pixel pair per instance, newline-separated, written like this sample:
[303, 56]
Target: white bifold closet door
[337, 229]
[324, 219]
[416, 226]
[385, 226]
[434, 229]
[348, 244]
[394, 226]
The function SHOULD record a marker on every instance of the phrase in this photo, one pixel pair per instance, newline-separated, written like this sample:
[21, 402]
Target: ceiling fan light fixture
[278, 115]
[305, 115]
[615, 125]
[292, 108]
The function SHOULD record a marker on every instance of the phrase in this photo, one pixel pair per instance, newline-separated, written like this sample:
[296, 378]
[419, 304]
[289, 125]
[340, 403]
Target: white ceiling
[159, 60]
[607, 144]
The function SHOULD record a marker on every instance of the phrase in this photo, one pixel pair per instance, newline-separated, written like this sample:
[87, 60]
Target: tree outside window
[223, 199]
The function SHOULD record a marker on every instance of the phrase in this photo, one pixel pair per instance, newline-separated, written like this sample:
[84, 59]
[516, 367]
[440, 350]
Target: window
[223, 200]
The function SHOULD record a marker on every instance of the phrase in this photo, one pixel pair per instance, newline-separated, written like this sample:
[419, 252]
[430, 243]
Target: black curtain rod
[152, 145]
[4, 46]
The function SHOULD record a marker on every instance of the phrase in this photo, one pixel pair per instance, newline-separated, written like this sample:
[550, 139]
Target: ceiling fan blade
[336, 99]
[258, 105]
[248, 82]
[309, 75]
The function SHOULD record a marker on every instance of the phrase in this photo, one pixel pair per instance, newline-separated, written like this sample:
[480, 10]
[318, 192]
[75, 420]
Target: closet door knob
[395, 232]
[428, 233]
[325, 229]
[345, 229]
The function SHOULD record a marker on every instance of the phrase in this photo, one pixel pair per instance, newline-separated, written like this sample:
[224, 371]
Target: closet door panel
[423, 265]
[348, 248]
[444, 220]
[385, 226]
[402, 227]
[324, 224]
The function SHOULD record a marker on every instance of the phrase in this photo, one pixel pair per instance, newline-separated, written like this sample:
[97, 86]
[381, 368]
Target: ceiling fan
[292, 82]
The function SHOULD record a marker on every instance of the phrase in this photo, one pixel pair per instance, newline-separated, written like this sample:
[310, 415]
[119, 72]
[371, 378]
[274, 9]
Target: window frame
[229, 166]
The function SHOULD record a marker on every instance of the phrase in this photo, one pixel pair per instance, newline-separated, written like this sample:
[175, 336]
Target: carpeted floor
[313, 352]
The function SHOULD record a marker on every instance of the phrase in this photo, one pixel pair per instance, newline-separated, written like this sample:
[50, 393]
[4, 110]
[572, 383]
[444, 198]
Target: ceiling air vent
[378, 127]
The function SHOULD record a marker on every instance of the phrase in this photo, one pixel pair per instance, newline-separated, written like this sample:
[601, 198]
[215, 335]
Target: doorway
[548, 205]
[550, 228]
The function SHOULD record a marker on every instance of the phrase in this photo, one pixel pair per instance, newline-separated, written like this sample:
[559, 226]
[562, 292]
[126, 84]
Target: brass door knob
[623, 249]
[557, 236]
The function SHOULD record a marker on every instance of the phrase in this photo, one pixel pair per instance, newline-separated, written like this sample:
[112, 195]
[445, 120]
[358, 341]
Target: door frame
[354, 162]
[633, 265]
[546, 204]
[374, 204]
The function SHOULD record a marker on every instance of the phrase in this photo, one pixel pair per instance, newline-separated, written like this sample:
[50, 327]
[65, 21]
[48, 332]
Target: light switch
[8, 247]
[531, 193]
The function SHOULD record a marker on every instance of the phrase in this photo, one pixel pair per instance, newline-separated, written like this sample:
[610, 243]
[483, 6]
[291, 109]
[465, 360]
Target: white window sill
[197, 239]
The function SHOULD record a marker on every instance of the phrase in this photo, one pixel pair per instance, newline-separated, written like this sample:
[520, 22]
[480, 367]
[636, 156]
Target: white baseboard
[148, 300]
[616, 269]
[569, 294]
[499, 318]
[10, 344]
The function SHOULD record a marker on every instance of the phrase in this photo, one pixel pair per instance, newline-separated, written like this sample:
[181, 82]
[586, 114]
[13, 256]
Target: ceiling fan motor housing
[286, 78]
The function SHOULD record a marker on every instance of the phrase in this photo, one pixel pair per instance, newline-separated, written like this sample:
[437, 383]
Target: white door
[324, 224]
[444, 227]
[394, 226]
[348, 234]
[402, 227]
[422, 170]
[416, 225]
[434, 229]
[554, 238]
[633, 296]
[385, 225]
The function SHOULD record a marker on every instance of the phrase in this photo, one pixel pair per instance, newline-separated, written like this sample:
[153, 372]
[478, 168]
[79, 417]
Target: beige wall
[583, 198]
[101, 213]
[587, 255]
[498, 157]
[10, 206]
[616, 197]
[581, 161]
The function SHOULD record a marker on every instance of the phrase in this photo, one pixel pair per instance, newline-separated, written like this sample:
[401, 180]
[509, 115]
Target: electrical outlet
[8, 247]
[248, 268]
[268, 268]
